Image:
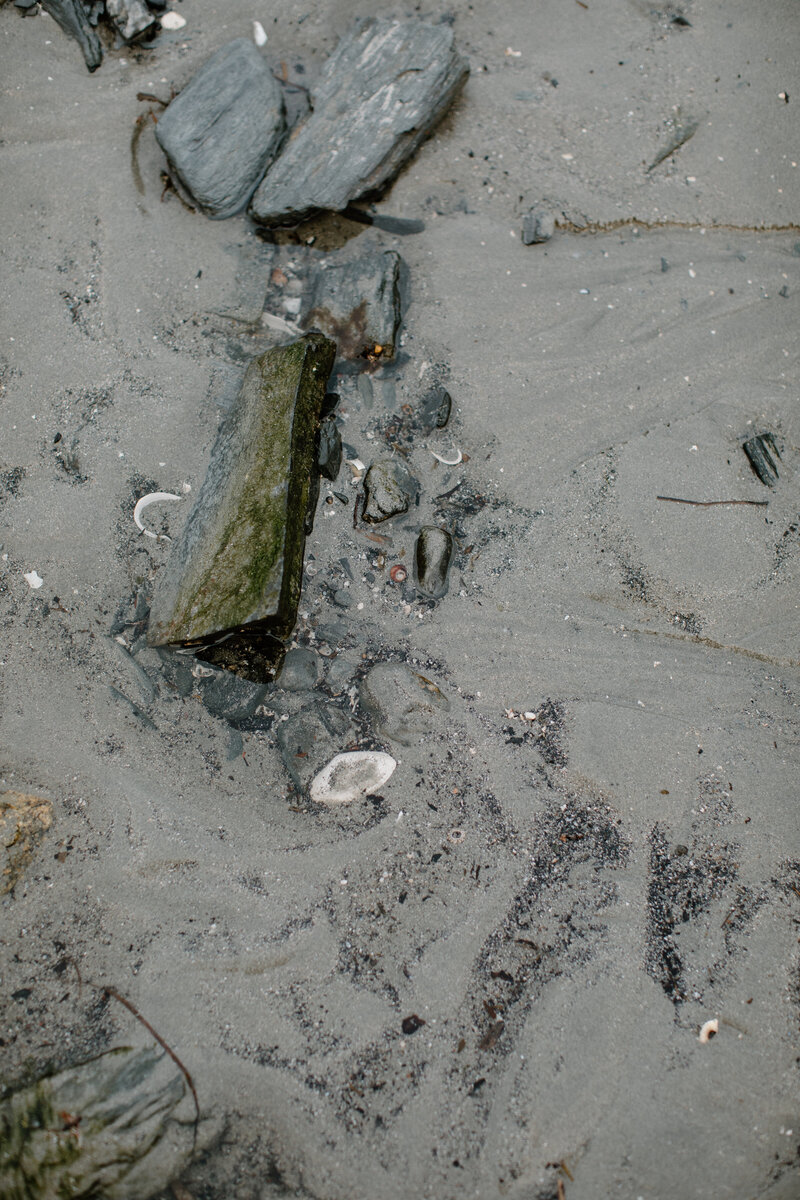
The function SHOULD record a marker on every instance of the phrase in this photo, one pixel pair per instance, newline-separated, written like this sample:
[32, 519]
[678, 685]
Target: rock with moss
[380, 94]
[101, 1128]
[238, 562]
[24, 820]
[359, 304]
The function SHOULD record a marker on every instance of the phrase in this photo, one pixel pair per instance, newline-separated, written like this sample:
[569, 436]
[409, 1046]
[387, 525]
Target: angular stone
[388, 489]
[300, 671]
[358, 304]
[222, 131]
[24, 820]
[239, 558]
[432, 556]
[763, 455]
[402, 703]
[538, 225]
[310, 738]
[230, 697]
[380, 94]
[434, 411]
[131, 18]
[329, 449]
[71, 16]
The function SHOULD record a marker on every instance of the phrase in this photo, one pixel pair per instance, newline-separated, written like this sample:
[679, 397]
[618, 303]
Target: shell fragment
[352, 775]
[145, 502]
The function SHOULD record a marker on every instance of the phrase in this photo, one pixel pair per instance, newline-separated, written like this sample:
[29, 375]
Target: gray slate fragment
[71, 16]
[131, 18]
[300, 671]
[358, 304]
[435, 409]
[230, 697]
[380, 94]
[432, 557]
[402, 703]
[329, 449]
[538, 225]
[239, 558]
[310, 738]
[223, 130]
[122, 1103]
[763, 455]
[388, 489]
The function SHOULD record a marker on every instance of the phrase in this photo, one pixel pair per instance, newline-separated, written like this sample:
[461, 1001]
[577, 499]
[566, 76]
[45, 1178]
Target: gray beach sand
[563, 899]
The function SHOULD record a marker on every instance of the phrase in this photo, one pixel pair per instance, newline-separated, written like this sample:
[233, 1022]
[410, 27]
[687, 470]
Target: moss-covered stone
[239, 559]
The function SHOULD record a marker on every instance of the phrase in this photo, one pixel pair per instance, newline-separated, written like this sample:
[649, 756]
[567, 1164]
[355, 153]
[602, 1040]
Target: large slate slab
[223, 130]
[379, 96]
[358, 304]
[239, 559]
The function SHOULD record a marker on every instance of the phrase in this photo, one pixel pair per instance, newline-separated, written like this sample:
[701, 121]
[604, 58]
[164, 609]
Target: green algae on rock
[239, 559]
[82, 1131]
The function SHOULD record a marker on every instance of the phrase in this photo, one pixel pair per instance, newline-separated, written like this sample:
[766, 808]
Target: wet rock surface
[223, 129]
[432, 555]
[240, 555]
[403, 704]
[84, 1131]
[300, 671]
[388, 489]
[380, 94]
[358, 304]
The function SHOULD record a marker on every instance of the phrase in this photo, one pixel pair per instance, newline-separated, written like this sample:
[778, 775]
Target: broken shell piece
[33, 578]
[145, 502]
[709, 1030]
[451, 459]
[172, 20]
[259, 34]
[456, 836]
[349, 776]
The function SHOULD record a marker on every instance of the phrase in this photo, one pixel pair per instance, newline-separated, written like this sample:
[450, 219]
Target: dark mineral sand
[563, 900]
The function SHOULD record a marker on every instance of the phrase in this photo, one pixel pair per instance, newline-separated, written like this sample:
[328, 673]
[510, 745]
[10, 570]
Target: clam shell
[351, 775]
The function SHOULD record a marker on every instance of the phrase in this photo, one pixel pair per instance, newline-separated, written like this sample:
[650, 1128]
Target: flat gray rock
[239, 559]
[380, 94]
[222, 131]
[402, 703]
[359, 305]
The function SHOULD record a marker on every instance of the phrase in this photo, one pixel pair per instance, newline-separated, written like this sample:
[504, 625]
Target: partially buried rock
[432, 559]
[388, 489]
[96, 1129]
[349, 776]
[380, 94]
[538, 225]
[403, 703]
[763, 455]
[329, 448]
[131, 18]
[358, 304]
[300, 671]
[434, 411]
[222, 131]
[230, 697]
[71, 16]
[24, 820]
[239, 559]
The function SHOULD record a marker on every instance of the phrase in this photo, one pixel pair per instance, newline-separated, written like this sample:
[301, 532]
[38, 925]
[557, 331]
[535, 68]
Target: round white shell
[351, 775]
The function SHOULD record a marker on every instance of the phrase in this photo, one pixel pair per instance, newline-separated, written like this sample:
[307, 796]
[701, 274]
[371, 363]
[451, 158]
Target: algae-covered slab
[239, 559]
[380, 94]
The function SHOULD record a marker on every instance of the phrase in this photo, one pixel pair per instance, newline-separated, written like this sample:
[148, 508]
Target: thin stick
[713, 503]
[110, 991]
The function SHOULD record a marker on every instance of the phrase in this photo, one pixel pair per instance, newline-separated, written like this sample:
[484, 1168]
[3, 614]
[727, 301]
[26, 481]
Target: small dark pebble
[435, 409]
[538, 225]
[412, 1024]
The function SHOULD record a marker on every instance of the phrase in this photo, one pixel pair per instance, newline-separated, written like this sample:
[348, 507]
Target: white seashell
[259, 34]
[172, 20]
[709, 1030]
[351, 775]
[34, 579]
[448, 460]
[141, 505]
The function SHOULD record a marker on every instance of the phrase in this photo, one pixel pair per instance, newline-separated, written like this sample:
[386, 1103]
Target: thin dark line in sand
[567, 226]
[713, 503]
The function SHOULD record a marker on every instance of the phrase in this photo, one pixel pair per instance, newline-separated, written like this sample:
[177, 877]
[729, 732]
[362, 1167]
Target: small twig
[567, 1171]
[151, 98]
[560, 1188]
[713, 503]
[110, 991]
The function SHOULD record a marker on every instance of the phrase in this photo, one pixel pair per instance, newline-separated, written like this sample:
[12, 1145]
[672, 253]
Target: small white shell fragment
[356, 464]
[259, 34]
[709, 1030]
[351, 775]
[172, 20]
[145, 502]
[278, 324]
[34, 579]
[448, 460]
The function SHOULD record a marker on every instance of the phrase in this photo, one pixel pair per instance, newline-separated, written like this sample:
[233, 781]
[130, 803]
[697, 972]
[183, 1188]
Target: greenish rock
[239, 559]
[84, 1131]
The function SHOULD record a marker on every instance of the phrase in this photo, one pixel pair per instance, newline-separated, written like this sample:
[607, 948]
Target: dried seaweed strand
[131, 1007]
[713, 503]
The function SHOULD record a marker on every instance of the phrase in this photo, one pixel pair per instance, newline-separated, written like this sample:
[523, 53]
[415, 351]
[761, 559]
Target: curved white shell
[351, 775]
[709, 1030]
[144, 502]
